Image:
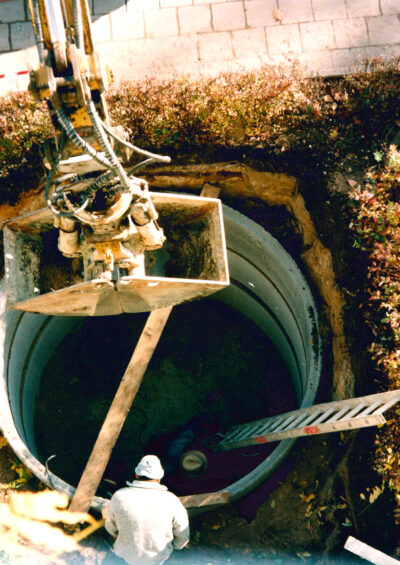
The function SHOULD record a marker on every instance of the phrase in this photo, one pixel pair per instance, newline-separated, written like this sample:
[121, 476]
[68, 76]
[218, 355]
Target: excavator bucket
[191, 264]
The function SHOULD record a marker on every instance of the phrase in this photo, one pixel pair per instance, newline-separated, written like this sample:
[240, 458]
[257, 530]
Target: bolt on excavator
[104, 244]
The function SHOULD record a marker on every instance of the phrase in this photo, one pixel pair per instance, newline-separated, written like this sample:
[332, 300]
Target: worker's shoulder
[120, 493]
[145, 489]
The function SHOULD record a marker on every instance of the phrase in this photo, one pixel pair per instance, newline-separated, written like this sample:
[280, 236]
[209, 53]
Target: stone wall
[137, 38]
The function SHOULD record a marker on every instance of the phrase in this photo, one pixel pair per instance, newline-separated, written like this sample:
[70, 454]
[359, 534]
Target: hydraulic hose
[103, 140]
[155, 156]
[77, 10]
[37, 28]
[49, 182]
[139, 166]
[81, 143]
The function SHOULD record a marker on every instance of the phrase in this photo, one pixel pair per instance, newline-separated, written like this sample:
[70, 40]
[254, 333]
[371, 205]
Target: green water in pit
[206, 346]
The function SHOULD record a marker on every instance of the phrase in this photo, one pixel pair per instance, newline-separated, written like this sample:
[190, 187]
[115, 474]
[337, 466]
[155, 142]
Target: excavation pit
[268, 302]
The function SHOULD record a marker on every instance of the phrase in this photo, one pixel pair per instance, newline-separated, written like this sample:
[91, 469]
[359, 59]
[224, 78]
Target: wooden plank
[206, 499]
[369, 553]
[119, 409]
[210, 191]
[121, 405]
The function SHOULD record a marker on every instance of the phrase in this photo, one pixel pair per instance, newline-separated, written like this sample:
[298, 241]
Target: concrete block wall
[139, 38]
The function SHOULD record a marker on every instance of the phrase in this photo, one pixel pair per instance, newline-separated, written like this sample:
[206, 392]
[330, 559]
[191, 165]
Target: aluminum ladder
[318, 419]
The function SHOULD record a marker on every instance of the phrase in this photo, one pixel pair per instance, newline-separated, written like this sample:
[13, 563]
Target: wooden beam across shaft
[123, 400]
[205, 499]
[119, 410]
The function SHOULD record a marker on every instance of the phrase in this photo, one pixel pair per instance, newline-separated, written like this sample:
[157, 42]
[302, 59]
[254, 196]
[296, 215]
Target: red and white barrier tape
[14, 75]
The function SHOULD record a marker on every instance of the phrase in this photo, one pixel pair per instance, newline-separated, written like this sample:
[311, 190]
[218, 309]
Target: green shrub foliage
[377, 233]
[274, 112]
[24, 125]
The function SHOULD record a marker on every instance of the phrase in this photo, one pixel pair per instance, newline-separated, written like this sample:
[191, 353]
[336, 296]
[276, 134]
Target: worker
[147, 520]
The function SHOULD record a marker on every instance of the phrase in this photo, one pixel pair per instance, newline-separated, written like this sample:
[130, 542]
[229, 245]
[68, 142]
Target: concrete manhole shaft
[266, 287]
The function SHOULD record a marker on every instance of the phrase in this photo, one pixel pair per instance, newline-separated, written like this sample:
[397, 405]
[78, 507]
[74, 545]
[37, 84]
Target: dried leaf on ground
[48, 506]
[38, 533]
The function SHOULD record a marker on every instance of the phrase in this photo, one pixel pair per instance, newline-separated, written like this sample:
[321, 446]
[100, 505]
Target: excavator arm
[97, 205]
[100, 216]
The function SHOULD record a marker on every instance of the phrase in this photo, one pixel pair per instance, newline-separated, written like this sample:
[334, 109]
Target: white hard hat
[150, 466]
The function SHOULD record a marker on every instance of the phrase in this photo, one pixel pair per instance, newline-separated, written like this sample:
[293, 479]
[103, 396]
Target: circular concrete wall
[266, 286]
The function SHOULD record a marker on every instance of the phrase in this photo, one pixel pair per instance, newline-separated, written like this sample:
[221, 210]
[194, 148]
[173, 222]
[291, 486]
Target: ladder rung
[311, 417]
[355, 410]
[246, 431]
[277, 422]
[388, 405]
[235, 434]
[297, 422]
[339, 414]
[268, 425]
[323, 416]
[284, 424]
[240, 433]
[230, 432]
[370, 409]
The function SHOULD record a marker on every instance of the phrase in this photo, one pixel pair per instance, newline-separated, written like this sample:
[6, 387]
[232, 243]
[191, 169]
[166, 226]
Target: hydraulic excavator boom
[110, 206]
[106, 217]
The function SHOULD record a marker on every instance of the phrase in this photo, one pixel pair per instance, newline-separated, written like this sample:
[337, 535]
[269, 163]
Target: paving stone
[345, 58]
[362, 8]
[283, 39]
[214, 46]
[329, 9]
[249, 43]
[22, 35]
[382, 28]
[317, 36]
[161, 23]
[4, 39]
[316, 61]
[213, 68]
[101, 29]
[351, 33]
[193, 19]
[138, 58]
[390, 7]
[170, 3]
[228, 16]
[355, 57]
[132, 5]
[12, 11]
[127, 26]
[259, 13]
[196, 2]
[250, 63]
[107, 6]
[295, 11]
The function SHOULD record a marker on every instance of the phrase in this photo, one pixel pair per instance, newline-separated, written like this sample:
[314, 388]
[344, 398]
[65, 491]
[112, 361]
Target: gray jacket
[148, 522]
